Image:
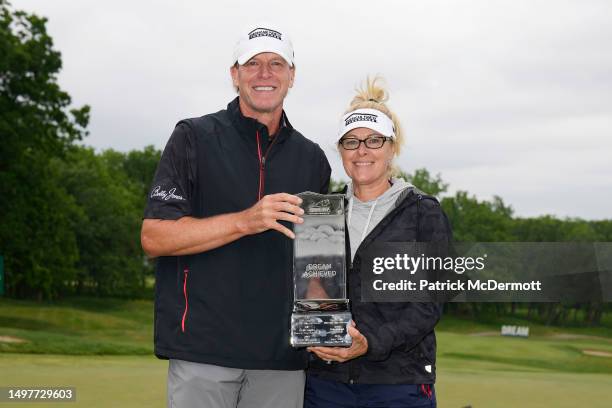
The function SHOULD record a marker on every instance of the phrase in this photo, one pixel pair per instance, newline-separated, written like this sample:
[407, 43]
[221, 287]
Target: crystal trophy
[321, 313]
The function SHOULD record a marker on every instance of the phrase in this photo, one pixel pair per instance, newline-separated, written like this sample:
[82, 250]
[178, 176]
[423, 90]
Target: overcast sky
[509, 98]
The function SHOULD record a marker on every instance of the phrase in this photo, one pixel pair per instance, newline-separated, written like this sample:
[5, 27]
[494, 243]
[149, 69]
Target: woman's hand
[342, 354]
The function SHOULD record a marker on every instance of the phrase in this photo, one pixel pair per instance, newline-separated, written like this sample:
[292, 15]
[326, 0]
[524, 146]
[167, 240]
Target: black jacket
[401, 338]
[230, 306]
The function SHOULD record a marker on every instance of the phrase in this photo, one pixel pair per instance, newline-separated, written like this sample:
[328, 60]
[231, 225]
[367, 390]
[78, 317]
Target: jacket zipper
[262, 164]
[185, 274]
[261, 167]
[366, 241]
[418, 227]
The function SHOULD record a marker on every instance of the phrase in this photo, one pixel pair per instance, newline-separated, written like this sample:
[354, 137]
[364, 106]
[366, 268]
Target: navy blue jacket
[230, 306]
[401, 338]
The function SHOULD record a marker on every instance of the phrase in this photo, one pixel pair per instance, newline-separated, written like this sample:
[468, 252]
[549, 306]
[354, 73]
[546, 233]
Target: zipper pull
[186, 273]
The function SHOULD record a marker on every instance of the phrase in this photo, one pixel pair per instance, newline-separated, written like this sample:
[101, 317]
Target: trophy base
[320, 329]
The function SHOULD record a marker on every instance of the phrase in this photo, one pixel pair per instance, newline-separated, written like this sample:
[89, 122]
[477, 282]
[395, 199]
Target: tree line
[70, 216]
[476, 220]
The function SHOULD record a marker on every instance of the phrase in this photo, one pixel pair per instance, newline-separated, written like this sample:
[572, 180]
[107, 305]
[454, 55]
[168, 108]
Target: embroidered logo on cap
[361, 117]
[265, 32]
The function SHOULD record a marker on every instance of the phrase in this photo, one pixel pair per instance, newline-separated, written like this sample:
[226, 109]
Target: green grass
[139, 381]
[493, 323]
[527, 354]
[547, 348]
[100, 381]
[103, 347]
[78, 326]
[487, 385]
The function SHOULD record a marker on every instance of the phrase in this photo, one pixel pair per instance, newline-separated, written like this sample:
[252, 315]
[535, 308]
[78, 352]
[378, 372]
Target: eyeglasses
[371, 142]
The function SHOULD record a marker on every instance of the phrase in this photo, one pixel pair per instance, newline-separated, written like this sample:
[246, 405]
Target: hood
[363, 216]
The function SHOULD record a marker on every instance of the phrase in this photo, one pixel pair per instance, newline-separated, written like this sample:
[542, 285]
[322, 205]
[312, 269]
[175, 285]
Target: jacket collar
[248, 126]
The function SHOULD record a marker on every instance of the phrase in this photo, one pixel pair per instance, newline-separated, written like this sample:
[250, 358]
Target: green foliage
[335, 186]
[475, 220]
[108, 232]
[36, 125]
[551, 229]
[70, 218]
[478, 221]
[140, 166]
[34, 109]
[425, 182]
[37, 234]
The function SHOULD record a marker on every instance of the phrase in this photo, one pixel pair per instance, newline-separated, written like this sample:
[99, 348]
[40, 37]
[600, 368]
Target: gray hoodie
[363, 216]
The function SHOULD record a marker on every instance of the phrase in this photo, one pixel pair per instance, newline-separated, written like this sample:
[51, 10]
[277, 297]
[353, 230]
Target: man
[218, 218]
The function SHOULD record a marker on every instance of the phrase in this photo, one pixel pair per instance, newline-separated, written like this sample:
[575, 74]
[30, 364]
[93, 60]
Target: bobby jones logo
[361, 117]
[164, 195]
[265, 32]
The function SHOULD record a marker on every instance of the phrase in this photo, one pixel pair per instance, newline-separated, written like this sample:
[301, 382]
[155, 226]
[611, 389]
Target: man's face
[263, 82]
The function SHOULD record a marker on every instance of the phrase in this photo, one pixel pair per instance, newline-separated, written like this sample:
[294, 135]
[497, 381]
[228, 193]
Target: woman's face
[363, 165]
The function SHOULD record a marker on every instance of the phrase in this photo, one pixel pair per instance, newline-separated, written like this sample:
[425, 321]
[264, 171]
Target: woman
[391, 362]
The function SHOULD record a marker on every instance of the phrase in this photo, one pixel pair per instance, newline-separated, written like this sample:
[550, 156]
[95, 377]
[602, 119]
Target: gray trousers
[196, 385]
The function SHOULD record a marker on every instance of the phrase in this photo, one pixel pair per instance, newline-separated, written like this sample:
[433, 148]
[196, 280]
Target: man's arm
[188, 235]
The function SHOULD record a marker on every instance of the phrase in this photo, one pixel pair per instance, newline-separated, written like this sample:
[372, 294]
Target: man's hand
[266, 213]
[342, 354]
[189, 235]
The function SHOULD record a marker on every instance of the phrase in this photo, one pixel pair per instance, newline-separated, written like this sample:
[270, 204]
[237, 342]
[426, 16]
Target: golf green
[139, 381]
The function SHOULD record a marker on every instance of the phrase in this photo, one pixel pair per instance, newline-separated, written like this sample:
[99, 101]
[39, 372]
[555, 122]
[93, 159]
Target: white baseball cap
[260, 38]
[367, 118]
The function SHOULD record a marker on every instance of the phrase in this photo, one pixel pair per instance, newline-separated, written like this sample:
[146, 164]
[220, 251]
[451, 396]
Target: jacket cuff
[380, 344]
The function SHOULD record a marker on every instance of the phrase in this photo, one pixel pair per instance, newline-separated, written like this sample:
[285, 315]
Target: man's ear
[292, 76]
[234, 74]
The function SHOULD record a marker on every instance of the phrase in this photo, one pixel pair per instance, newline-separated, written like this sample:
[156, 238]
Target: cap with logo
[263, 38]
[367, 118]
